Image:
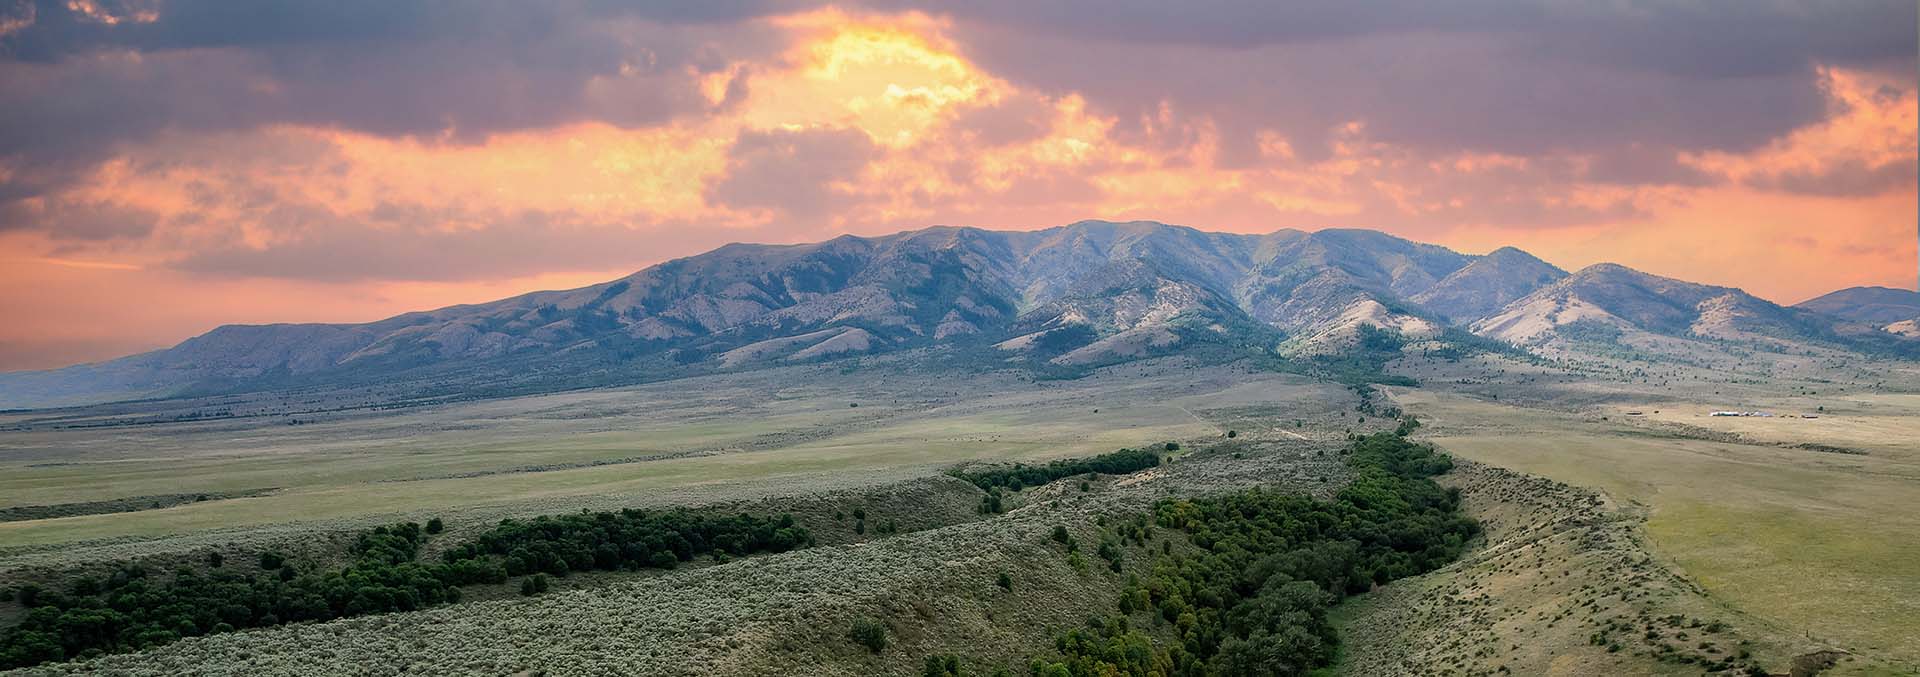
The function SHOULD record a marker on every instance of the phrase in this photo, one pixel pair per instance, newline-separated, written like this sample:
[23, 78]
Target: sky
[167, 166]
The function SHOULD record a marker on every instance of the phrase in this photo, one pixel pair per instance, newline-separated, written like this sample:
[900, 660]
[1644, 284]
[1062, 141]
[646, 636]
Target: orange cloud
[950, 143]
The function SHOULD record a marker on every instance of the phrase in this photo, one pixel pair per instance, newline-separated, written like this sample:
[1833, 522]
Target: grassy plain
[1823, 543]
[795, 428]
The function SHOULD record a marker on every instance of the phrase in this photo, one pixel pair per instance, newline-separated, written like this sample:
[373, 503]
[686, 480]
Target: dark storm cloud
[1507, 77]
[74, 90]
[59, 31]
[1714, 38]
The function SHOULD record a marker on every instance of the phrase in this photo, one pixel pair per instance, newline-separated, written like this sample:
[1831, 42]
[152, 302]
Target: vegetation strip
[131, 504]
[994, 480]
[136, 609]
[1252, 596]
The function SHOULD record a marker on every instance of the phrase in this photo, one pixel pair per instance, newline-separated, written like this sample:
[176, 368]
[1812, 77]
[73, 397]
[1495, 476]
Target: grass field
[713, 435]
[1820, 542]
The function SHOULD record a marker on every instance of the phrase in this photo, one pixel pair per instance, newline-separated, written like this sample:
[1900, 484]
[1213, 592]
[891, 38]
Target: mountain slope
[1613, 296]
[1488, 284]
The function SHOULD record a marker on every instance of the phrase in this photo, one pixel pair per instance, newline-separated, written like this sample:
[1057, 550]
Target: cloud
[79, 220]
[74, 92]
[348, 147]
[794, 173]
[1718, 38]
[1867, 144]
[325, 247]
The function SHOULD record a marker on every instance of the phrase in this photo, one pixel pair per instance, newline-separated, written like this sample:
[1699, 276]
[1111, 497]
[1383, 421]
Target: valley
[848, 389]
[1728, 532]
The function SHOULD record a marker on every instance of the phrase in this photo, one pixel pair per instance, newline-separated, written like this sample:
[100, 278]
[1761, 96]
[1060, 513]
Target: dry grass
[1815, 542]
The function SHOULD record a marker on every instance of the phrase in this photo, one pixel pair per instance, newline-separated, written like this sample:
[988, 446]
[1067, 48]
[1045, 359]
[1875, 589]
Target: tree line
[1020, 475]
[629, 539]
[136, 609]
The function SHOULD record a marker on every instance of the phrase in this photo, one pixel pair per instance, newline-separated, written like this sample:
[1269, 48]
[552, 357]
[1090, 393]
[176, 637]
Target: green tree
[870, 633]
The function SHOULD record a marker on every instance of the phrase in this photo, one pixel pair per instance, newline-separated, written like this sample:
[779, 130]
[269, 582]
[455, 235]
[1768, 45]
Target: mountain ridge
[1082, 294]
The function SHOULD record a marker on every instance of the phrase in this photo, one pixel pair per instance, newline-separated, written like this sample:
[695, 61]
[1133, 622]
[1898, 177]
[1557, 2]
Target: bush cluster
[629, 539]
[1253, 598]
[1020, 475]
[135, 609]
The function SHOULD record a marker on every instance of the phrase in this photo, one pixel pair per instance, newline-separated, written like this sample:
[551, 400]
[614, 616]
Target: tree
[947, 665]
[435, 526]
[215, 559]
[869, 633]
[533, 585]
[1005, 581]
[1173, 446]
[272, 560]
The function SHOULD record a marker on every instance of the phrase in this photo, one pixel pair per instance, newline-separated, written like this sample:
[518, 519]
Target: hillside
[1488, 284]
[1610, 298]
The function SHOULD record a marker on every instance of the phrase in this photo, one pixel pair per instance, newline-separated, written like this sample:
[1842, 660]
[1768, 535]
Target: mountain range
[1085, 294]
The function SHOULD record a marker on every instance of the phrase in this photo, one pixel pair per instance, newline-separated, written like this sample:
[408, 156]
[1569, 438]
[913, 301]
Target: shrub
[869, 633]
[1020, 475]
[435, 526]
[947, 665]
[272, 560]
[215, 559]
[1005, 582]
[533, 585]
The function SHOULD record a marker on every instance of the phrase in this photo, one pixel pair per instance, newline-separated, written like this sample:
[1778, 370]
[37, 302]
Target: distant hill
[1878, 306]
[1085, 294]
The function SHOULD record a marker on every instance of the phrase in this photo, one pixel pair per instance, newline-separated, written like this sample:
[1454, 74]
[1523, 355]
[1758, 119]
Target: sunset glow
[800, 126]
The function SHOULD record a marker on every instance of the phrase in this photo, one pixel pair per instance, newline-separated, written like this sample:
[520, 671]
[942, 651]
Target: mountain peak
[1486, 285]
